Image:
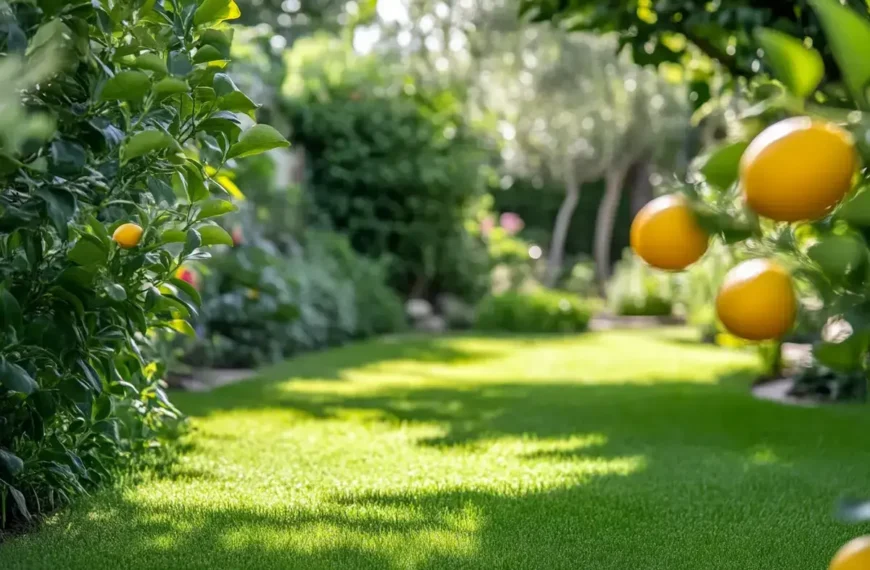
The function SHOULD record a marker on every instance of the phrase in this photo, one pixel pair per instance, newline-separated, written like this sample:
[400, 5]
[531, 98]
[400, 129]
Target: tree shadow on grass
[653, 474]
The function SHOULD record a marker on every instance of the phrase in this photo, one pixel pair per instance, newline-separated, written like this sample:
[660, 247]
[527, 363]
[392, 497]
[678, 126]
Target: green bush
[540, 311]
[142, 118]
[637, 290]
[391, 164]
[262, 304]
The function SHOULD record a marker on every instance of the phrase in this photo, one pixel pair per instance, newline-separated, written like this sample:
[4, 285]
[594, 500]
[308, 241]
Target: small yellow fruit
[666, 235]
[798, 169]
[128, 235]
[757, 300]
[854, 555]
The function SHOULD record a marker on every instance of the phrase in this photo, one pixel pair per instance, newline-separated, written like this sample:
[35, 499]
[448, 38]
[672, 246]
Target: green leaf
[838, 255]
[856, 209]
[99, 230]
[220, 39]
[173, 236]
[800, 68]
[127, 86]
[256, 140]
[88, 250]
[179, 63]
[237, 102]
[169, 86]
[145, 142]
[60, 207]
[93, 379]
[188, 289]
[215, 207]
[151, 62]
[20, 502]
[844, 356]
[223, 84]
[10, 310]
[10, 464]
[848, 33]
[215, 235]
[182, 326]
[192, 241]
[207, 53]
[722, 167]
[216, 11]
[16, 379]
[116, 292]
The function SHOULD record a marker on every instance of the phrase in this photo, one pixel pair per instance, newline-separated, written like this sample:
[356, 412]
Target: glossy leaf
[721, 169]
[215, 207]
[188, 290]
[216, 11]
[151, 62]
[126, 85]
[800, 68]
[182, 326]
[215, 235]
[10, 310]
[16, 379]
[146, 142]
[847, 33]
[88, 251]
[256, 140]
[10, 464]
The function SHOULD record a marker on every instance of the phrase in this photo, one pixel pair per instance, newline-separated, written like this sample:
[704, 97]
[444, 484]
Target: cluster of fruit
[796, 170]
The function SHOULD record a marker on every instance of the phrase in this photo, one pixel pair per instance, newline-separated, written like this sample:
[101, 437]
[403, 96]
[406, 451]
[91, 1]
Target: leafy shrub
[261, 304]
[143, 117]
[390, 164]
[637, 290]
[540, 311]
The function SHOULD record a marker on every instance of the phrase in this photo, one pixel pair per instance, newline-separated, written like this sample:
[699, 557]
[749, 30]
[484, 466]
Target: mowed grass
[606, 451]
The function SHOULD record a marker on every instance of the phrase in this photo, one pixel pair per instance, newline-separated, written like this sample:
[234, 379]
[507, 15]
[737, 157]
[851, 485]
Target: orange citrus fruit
[666, 235]
[798, 169]
[128, 235]
[757, 300]
[854, 555]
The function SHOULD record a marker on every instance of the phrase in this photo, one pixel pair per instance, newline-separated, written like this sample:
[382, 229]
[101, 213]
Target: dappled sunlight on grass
[603, 451]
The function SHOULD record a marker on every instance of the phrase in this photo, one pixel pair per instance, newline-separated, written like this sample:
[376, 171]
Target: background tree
[571, 106]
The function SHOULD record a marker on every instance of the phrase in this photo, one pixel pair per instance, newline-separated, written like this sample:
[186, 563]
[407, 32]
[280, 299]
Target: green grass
[632, 450]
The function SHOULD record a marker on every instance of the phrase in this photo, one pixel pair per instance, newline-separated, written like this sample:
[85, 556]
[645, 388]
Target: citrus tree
[794, 202]
[110, 165]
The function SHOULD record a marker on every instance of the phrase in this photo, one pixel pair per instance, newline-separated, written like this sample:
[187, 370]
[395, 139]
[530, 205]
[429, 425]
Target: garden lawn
[622, 450]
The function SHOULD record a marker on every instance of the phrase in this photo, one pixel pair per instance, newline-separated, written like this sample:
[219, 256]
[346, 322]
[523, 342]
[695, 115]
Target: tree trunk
[560, 229]
[604, 223]
[641, 187]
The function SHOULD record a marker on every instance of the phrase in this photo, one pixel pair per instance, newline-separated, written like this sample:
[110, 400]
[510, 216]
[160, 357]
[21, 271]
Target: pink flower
[486, 225]
[238, 236]
[189, 276]
[512, 223]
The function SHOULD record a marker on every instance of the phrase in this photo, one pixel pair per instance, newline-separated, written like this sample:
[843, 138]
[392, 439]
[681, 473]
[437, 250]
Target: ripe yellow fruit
[854, 555]
[798, 169]
[757, 300]
[666, 235]
[128, 235]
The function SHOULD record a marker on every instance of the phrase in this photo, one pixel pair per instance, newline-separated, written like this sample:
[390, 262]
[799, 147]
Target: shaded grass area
[604, 451]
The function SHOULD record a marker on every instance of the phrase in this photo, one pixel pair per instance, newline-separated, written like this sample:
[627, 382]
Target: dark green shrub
[143, 116]
[390, 164]
[261, 304]
[541, 311]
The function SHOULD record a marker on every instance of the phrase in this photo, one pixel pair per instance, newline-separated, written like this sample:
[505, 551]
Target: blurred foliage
[393, 167]
[661, 32]
[294, 19]
[538, 311]
[637, 290]
[261, 304]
